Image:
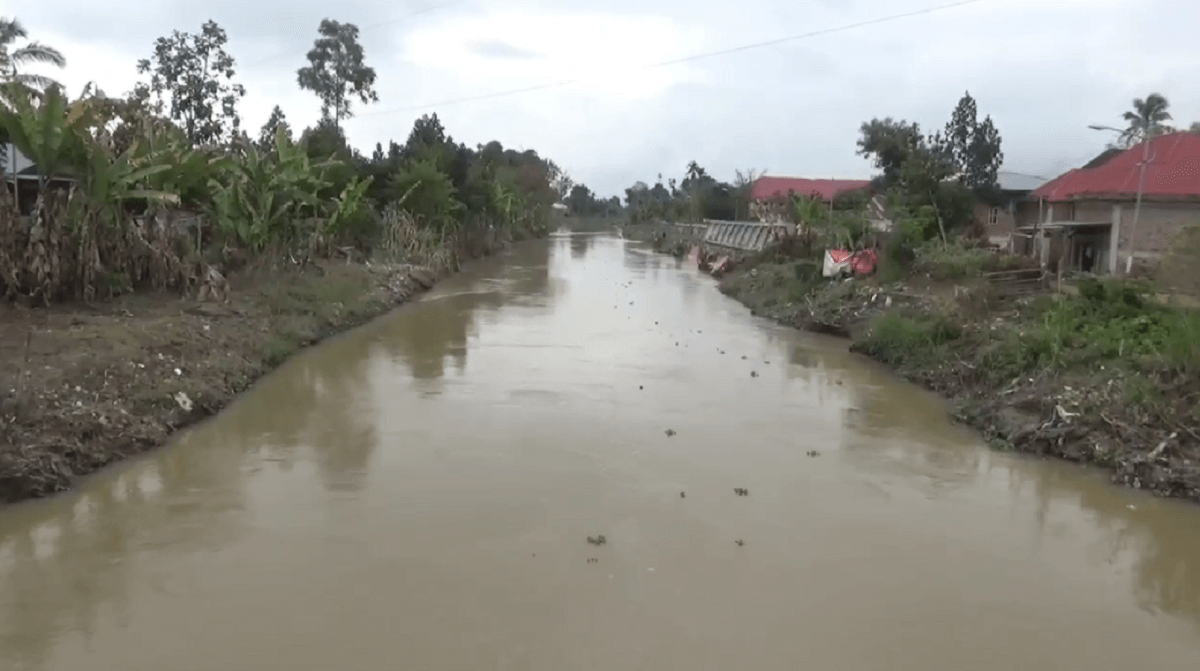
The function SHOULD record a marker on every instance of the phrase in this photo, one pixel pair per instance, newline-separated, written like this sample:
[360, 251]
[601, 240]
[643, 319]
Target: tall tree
[1146, 119]
[12, 58]
[266, 136]
[337, 71]
[889, 144]
[743, 184]
[560, 181]
[972, 147]
[195, 73]
[581, 200]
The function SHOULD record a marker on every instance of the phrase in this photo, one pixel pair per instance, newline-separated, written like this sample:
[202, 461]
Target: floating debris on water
[598, 540]
[741, 491]
[740, 542]
[753, 373]
[813, 453]
[670, 432]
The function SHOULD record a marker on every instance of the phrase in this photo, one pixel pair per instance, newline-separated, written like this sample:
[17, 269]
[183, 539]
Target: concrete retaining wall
[749, 236]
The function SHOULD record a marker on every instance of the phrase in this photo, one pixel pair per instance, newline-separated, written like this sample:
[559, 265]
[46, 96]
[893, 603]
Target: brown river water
[419, 493]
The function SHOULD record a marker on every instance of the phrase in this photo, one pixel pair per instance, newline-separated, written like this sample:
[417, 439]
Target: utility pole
[1137, 203]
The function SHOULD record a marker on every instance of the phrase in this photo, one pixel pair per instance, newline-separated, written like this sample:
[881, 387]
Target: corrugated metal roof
[766, 188]
[1016, 181]
[1173, 172]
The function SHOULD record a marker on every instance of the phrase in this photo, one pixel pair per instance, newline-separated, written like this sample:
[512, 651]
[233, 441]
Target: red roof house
[1172, 173]
[1093, 208]
[766, 188]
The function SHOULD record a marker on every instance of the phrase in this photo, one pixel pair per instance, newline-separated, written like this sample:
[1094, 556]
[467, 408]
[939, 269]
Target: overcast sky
[1043, 69]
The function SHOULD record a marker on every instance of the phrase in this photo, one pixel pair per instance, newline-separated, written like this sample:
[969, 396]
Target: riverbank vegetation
[1103, 372]
[155, 258]
[162, 189]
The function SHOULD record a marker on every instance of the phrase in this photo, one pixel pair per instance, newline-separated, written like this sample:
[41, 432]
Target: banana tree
[188, 169]
[47, 129]
[259, 198]
[350, 204]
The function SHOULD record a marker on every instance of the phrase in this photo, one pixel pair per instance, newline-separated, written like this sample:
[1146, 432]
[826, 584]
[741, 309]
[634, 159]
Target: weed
[279, 348]
[1181, 341]
[958, 261]
[898, 338]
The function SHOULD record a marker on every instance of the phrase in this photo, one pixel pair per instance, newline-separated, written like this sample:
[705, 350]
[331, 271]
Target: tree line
[107, 165]
[931, 181]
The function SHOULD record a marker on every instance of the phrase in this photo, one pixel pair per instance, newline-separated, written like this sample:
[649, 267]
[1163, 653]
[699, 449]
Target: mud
[86, 385]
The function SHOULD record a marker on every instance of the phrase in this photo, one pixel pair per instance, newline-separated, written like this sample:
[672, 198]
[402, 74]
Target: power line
[366, 30]
[685, 59]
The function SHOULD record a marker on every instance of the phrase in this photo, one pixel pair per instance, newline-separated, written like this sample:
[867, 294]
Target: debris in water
[670, 432]
[593, 560]
[598, 540]
[740, 542]
[753, 373]
[682, 496]
[184, 402]
[640, 387]
[741, 491]
[813, 453]
[743, 357]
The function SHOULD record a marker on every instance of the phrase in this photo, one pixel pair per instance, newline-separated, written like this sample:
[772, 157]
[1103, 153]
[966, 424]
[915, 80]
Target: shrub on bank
[160, 212]
[961, 260]
[1111, 324]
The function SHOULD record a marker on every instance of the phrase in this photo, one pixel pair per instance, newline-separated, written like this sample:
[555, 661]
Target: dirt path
[82, 386]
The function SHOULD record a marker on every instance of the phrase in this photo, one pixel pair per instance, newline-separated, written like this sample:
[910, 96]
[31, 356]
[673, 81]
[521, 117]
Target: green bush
[1181, 341]
[898, 338]
[959, 260]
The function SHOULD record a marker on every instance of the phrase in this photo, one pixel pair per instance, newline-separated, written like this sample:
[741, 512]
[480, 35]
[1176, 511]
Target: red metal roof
[766, 188]
[1173, 172]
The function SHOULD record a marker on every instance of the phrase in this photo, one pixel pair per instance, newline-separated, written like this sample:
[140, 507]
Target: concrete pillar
[1044, 240]
[1114, 243]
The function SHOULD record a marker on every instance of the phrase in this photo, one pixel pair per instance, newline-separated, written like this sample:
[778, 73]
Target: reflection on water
[425, 484]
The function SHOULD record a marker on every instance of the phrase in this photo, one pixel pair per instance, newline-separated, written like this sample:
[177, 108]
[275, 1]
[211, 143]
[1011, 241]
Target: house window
[993, 216]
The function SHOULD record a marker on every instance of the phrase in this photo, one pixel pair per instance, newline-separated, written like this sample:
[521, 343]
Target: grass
[775, 284]
[958, 261]
[1110, 324]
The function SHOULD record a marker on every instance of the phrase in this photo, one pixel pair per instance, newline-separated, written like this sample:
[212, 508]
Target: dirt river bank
[87, 385]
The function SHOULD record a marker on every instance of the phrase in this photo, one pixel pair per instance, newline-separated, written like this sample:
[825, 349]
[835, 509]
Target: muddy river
[419, 494]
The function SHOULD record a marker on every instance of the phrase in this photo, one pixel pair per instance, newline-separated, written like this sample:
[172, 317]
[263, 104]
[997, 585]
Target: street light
[1137, 204]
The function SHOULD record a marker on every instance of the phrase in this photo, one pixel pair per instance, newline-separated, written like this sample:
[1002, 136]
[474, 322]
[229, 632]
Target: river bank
[1108, 377]
[87, 385]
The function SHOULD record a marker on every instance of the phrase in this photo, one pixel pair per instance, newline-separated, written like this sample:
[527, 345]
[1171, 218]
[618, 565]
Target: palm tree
[1146, 119]
[12, 58]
